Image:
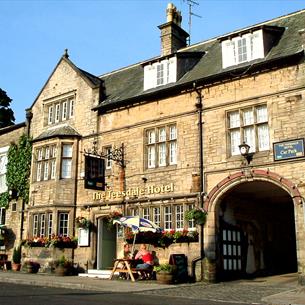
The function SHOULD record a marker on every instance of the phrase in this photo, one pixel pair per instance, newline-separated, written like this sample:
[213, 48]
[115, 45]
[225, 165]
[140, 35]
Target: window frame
[166, 216]
[108, 161]
[45, 157]
[60, 110]
[41, 226]
[66, 161]
[63, 224]
[160, 73]
[234, 54]
[161, 146]
[3, 169]
[245, 128]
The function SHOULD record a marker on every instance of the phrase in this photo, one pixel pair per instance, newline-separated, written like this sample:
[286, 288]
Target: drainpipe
[200, 134]
[75, 195]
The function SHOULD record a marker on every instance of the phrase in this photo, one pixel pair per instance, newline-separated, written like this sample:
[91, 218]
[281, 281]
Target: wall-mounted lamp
[144, 178]
[244, 149]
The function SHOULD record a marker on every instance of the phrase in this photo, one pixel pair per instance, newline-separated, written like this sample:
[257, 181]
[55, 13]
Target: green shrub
[17, 255]
[164, 267]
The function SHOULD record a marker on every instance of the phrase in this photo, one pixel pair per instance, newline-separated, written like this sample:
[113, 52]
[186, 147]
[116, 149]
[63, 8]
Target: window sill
[257, 154]
[161, 168]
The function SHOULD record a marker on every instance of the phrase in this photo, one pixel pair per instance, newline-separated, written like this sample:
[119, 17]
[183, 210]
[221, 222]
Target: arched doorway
[254, 226]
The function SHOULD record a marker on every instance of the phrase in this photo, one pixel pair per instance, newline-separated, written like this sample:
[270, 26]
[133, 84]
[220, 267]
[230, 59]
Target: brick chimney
[173, 37]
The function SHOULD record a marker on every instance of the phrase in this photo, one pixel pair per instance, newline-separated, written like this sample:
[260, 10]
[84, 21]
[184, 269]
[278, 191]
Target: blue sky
[104, 35]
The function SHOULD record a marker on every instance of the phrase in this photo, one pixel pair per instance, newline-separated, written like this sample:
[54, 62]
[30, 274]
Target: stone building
[11, 225]
[218, 125]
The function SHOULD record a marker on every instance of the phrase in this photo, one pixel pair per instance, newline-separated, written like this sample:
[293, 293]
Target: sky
[105, 35]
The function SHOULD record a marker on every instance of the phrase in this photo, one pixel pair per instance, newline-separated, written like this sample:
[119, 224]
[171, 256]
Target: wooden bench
[148, 272]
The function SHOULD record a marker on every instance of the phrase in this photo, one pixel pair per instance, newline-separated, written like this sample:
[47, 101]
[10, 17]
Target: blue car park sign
[288, 150]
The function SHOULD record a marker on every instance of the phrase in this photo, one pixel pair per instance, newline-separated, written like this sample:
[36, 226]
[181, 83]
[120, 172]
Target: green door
[106, 245]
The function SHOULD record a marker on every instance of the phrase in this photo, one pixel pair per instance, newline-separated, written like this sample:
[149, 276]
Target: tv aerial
[190, 4]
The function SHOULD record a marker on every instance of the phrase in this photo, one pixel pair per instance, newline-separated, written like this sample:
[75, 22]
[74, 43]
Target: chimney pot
[173, 37]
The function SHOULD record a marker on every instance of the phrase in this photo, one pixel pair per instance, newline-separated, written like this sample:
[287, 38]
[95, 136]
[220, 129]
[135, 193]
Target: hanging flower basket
[82, 222]
[198, 215]
[111, 217]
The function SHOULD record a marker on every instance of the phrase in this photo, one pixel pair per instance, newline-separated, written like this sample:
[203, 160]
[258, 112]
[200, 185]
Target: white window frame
[252, 48]
[45, 163]
[146, 213]
[168, 221]
[252, 129]
[3, 165]
[71, 108]
[179, 217]
[60, 110]
[50, 114]
[161, 146]
[35, 225]
[57, 112]
[38, 171]
[157, 215]
[50, 225]
[42, 230]
[63, 224]
[66, 161]
[108, 151]
[160, 73]
[64, 114]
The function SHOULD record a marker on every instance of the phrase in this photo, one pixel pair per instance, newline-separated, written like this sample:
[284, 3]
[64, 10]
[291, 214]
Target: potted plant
[63, 266]
[16, 265]
[31, 266]
[164, 273]
[1, 240]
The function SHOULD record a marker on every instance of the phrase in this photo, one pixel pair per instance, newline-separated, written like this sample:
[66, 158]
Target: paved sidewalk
[275, 290]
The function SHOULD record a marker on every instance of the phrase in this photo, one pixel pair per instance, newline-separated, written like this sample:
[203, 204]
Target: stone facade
[255, 221]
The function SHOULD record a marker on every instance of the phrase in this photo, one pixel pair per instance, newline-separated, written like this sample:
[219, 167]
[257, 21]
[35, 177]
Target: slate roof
[10, 128]
[60, 132]
[126, 85]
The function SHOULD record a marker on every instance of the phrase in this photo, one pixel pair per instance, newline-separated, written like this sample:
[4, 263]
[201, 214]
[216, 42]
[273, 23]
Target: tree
[6, 113]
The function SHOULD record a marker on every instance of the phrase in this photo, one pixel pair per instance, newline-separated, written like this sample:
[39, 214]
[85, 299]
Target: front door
[106, 244]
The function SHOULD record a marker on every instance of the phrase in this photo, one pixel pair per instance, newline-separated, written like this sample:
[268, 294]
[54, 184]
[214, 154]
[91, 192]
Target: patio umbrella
[137, 224]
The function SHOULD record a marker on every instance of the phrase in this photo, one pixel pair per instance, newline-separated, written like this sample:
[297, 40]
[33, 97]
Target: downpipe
[200, 134]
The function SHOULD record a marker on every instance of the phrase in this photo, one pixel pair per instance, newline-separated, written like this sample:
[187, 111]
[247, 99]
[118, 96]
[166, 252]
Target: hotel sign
[288, 149]
[134, 192]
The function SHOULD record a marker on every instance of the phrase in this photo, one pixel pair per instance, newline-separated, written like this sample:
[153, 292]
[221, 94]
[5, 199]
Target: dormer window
[244, 48]
[160, 73]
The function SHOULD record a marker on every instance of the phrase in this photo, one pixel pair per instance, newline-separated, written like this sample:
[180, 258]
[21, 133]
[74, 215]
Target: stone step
[94, 273]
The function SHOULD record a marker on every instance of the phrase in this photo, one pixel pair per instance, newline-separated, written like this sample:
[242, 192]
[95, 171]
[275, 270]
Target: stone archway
[254, 224]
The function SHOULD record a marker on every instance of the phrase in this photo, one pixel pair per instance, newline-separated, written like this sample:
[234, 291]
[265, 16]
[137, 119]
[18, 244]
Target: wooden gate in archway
[232, 251]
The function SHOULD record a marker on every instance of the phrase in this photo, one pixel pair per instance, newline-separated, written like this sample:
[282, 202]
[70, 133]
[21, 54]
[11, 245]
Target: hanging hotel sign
[288, 149]
[134, 192]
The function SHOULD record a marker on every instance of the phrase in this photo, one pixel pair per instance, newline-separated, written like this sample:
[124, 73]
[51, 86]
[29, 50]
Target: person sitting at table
[147, 258]
[126, 251]
[126, 254]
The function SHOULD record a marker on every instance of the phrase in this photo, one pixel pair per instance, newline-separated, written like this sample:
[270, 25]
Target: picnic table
[124, 265]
